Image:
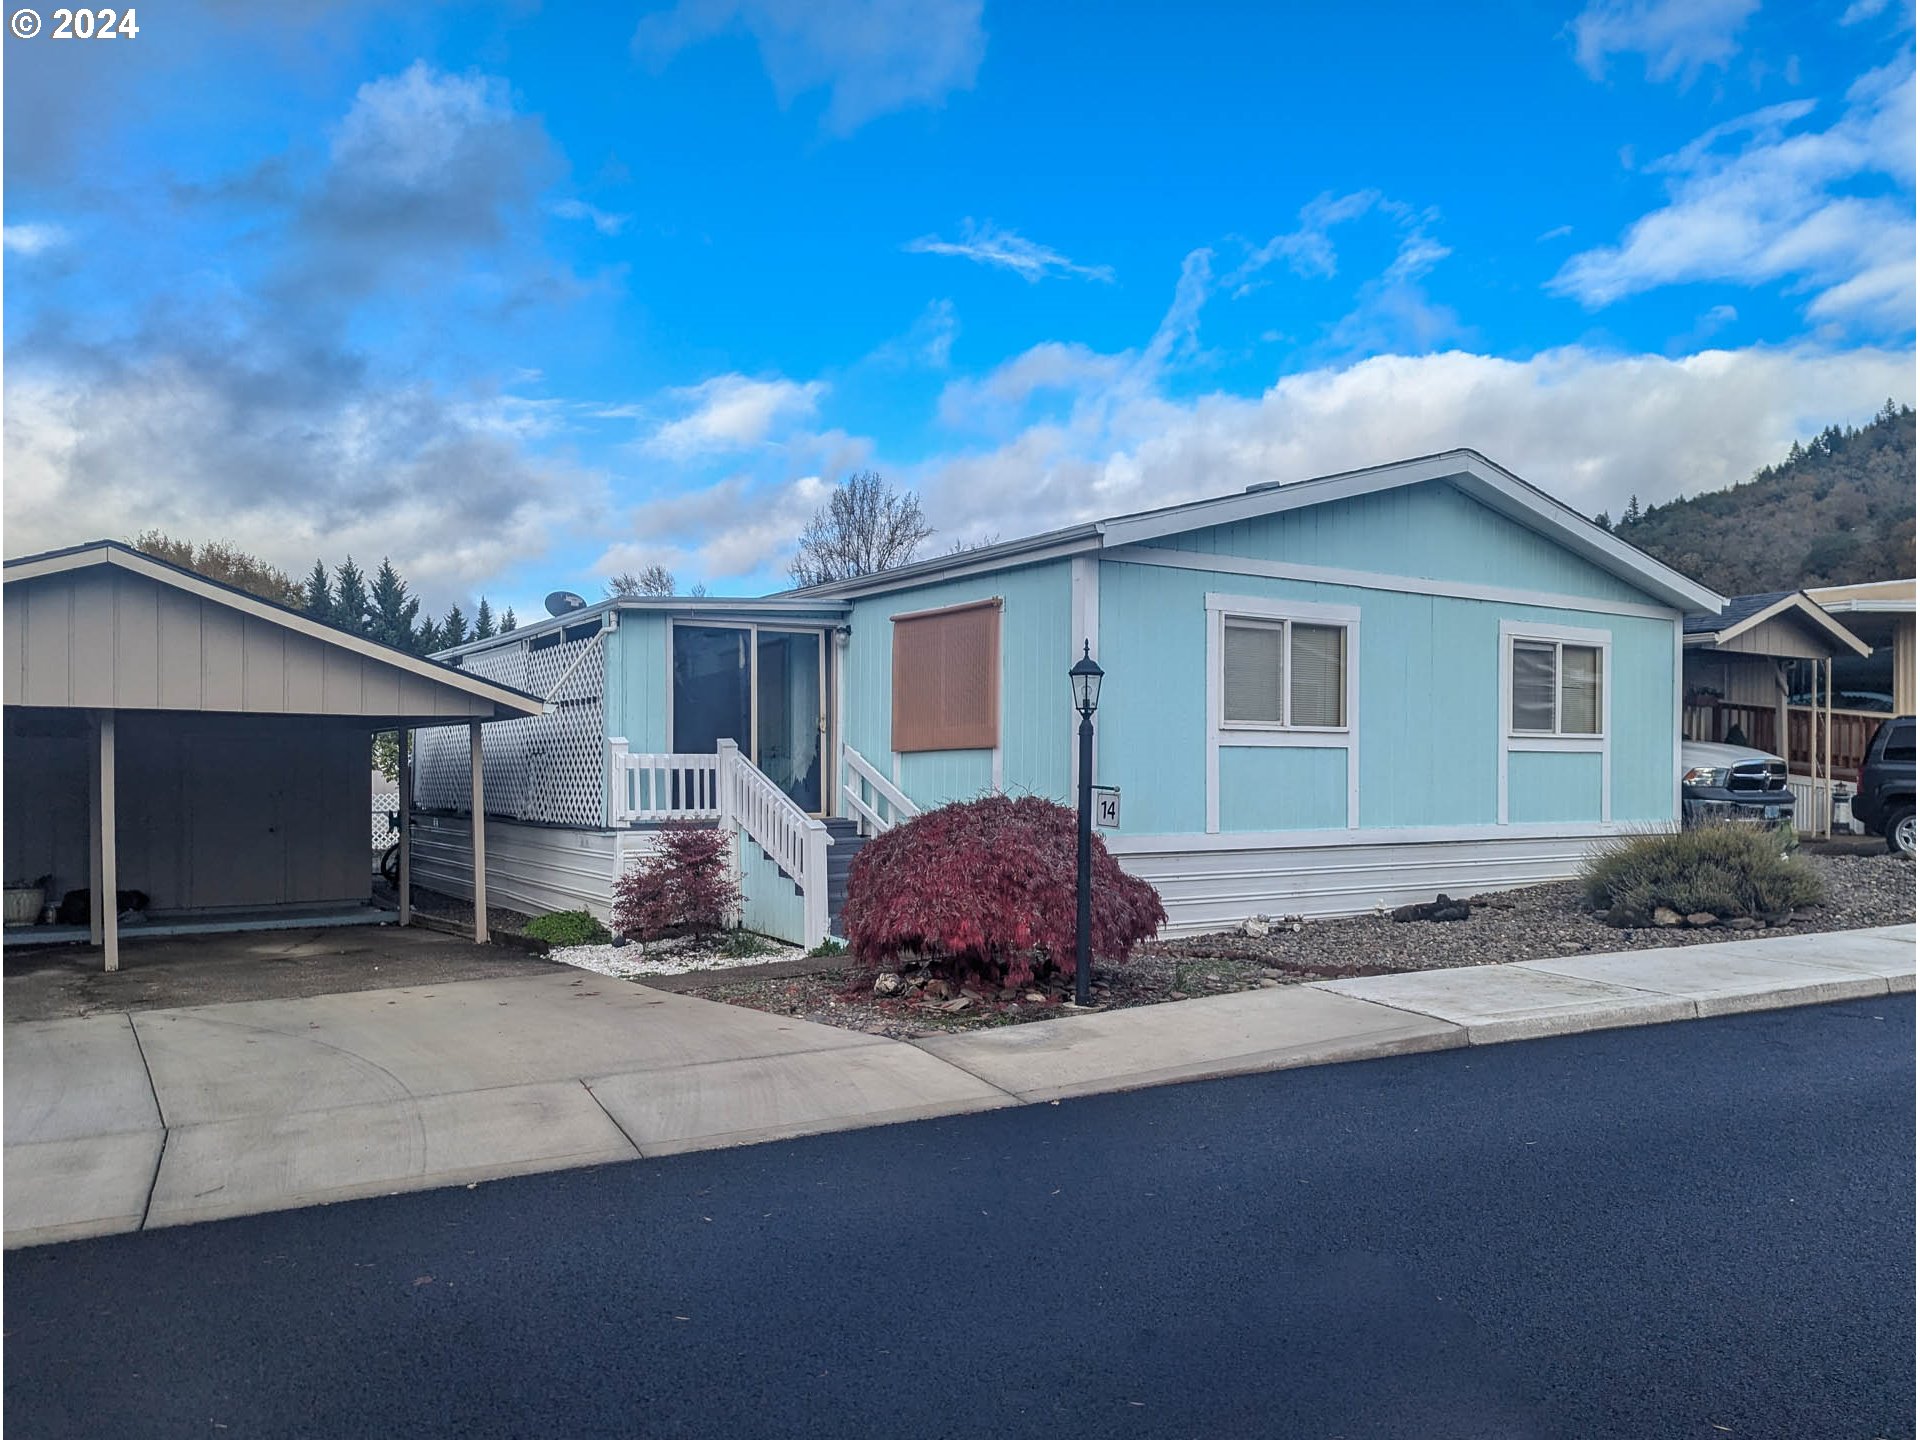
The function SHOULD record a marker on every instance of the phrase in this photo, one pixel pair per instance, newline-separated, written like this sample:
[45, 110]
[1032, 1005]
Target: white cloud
[1589, 427]
[988, 244]
[872, 56]
[32, 239]
[606, 222]
[732, 412]
[1676, 37]
[1783, 206]
[443, 485]
[1862, 10]
[1308, 248]
[928, 343]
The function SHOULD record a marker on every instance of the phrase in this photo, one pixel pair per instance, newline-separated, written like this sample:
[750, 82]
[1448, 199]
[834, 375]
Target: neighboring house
[1881, 614]
[1320, 697]
[1740, 675]
[172, 736]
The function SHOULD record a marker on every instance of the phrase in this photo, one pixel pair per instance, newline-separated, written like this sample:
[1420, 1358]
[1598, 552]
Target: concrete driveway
[163, 1116]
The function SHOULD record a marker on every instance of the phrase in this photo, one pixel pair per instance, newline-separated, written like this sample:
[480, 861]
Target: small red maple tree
[685, 885]
[989, 885]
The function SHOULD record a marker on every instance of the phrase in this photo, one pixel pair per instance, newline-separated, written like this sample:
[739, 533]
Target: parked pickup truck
[1884, 801]
[1732, 782]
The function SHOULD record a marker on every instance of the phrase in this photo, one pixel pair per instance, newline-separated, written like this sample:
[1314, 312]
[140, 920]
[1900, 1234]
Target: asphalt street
[1701, 1229]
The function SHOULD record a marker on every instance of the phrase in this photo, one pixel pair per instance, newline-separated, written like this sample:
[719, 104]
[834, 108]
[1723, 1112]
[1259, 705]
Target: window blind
[1533, 686]
[1319, 675]
[1251, 674]
[1579, 690]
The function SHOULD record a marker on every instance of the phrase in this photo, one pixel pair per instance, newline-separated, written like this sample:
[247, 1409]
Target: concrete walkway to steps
[170, 1116]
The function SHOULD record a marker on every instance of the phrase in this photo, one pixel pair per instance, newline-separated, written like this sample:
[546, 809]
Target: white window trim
[1543, 742]
[1250, 735]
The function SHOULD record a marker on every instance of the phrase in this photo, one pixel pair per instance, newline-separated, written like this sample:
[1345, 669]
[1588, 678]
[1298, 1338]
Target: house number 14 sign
[1106, 806]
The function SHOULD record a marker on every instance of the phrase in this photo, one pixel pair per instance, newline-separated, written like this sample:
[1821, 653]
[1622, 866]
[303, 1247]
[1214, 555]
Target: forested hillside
[1837, 511]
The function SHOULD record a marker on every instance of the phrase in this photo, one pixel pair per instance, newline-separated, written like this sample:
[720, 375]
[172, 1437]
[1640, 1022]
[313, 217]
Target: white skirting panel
[534, 869]
[1211, 889]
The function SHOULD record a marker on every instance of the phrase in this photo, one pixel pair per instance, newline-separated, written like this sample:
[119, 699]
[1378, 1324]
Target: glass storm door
[762, 689]
[788, 736]
[712, 688]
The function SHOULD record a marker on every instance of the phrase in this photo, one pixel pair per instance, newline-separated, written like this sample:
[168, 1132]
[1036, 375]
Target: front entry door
[788, 734]
[762, 689]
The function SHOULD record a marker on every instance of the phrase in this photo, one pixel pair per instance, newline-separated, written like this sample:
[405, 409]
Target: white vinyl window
[1556, 688]
[1284, 674]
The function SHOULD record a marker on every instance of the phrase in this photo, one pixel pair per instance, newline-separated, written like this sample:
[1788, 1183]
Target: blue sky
[525, 294]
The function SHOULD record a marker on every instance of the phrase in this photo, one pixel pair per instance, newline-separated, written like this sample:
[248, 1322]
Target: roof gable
[1744, 614]
[174, 639]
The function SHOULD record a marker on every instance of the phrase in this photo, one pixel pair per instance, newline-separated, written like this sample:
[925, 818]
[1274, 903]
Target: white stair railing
[793, 839]
[876, 800]
[646, 788]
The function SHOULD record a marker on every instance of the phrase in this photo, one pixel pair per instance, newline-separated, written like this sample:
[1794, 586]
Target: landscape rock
[1745, 922]
[938, 990]
[1700, 919]
[1256, 927]
[887, 983]
[1442, 908]
[1666, 917]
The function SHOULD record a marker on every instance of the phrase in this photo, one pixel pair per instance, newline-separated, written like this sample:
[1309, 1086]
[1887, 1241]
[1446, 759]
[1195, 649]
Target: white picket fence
[648, 788]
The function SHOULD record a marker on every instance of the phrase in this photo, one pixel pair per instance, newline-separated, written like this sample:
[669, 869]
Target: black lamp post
[1085, 677]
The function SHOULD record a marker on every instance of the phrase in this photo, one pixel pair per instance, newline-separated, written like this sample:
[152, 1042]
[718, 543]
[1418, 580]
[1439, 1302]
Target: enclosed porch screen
[946, 678]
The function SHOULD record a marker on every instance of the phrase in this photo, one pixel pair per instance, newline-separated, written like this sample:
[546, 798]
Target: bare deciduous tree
[865, 527]
[653, 580]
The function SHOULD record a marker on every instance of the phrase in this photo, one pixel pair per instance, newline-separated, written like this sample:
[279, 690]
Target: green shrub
[1726, 870]
[568, 927]
[826, 949]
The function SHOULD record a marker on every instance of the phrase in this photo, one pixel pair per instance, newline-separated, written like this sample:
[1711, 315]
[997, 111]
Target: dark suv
[1885, 800]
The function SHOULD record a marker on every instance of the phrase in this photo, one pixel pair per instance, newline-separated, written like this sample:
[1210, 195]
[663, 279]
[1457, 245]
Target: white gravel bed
[670, 957]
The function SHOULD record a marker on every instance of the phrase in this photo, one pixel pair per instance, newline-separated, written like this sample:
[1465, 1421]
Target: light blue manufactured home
[1320, 697]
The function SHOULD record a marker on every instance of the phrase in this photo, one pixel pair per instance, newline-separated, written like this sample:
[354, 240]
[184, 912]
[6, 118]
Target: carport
[173, 736]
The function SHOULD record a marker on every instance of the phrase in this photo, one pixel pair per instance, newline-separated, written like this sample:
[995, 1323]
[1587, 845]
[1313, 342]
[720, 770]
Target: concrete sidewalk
[165, 1117]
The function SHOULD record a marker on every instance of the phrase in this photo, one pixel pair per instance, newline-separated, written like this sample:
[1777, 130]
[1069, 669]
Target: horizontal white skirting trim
[530, 868]
[1211, 889]
[1401, 835]
[1372, 580]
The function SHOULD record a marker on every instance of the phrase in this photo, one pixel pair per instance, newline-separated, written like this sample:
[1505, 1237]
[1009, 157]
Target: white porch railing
[878, 803]
[728, 788]
[645, 788]
[793, 839]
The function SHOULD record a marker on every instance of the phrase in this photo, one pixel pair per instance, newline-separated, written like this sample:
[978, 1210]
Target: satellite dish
[562, 601]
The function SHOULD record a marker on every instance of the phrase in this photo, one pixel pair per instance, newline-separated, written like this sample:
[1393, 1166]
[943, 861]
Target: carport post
[477, 773]
[107, 897]
[406, 826]
[94, 935]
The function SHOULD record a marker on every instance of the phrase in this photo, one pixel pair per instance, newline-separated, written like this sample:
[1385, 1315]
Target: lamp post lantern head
[1085, 676]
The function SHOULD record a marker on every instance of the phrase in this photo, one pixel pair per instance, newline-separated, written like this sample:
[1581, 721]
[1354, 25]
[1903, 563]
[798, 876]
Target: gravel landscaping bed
[693, 954]
[1534, 923]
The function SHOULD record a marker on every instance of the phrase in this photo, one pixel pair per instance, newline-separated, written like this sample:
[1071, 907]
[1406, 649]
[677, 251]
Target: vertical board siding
[638, 679]
[1543, 786]
[1036, 649]
[102, 638]
[1431, 530]
[1282, 788]
[769, 903]
[1430, 728]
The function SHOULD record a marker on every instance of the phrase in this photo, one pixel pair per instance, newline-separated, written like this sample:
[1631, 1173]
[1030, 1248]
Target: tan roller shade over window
[946, 678]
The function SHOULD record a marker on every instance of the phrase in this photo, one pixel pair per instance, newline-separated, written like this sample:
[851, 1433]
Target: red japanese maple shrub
[686, 884]
[989, 885]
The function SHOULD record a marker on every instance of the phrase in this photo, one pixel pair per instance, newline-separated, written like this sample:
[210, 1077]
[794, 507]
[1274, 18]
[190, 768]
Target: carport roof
[410, 699]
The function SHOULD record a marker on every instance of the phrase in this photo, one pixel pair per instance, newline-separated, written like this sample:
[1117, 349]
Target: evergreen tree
[350, 602]
[1632, 512]
[508, 624]
[426, 639]
[483, 627]
[319, 593]
[453, 629]
[391, 610]
[1604, 521]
